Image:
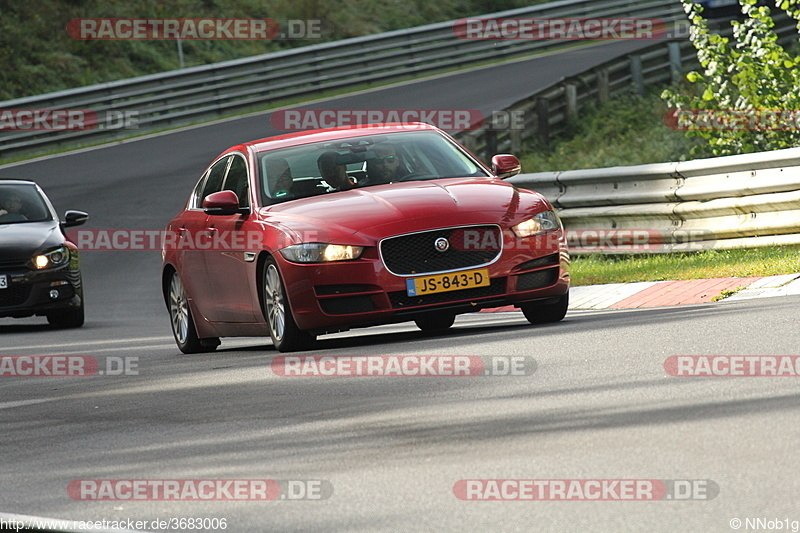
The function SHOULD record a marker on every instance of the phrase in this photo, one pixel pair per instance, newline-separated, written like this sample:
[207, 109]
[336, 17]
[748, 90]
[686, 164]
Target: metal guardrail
[738, 201]
[206, 92]
[547, 112]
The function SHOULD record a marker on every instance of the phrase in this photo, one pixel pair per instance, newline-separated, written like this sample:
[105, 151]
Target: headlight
[319, 252]
[541, 223]
[54, 258]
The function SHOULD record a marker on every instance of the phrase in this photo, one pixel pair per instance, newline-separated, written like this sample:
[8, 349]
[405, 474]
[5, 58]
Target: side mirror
[223, 203]
[74, 218]
[505, 165]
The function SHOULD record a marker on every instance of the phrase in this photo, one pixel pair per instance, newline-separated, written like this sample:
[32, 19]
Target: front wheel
[71, 318]
[433, 322]
[182, 322]
[286, 336]
[538, 313]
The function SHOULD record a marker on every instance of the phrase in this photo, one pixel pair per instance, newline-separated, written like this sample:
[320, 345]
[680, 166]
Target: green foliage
[38, 56]
[629, 130]
[749, 74]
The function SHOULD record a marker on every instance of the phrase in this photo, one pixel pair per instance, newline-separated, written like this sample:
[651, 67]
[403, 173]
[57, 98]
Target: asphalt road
[599, 405]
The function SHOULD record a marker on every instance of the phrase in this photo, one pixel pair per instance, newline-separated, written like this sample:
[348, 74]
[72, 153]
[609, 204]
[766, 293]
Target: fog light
[53, 294]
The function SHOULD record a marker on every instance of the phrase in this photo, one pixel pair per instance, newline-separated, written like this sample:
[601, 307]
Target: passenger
[280, 176]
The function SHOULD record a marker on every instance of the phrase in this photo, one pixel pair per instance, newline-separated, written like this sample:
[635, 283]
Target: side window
[237, 180]
[197, 193]
[214, 181]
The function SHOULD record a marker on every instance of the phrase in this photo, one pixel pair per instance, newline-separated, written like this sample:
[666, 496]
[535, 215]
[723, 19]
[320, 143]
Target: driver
[12, 205]
[385, 168]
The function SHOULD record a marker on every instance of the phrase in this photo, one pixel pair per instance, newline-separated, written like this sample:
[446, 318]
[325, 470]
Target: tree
[745, 98]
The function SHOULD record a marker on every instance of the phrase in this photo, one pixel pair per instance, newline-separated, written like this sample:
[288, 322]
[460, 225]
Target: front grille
[537, 280]
[13, 264]
[417, 254]
[14, 295]
[347, 305]
[401, 299]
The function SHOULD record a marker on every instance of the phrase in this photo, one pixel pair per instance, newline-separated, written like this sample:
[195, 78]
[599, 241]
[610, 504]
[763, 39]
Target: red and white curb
[667, 293]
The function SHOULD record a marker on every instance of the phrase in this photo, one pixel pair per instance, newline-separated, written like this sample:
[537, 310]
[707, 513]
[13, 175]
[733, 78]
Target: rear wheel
[286, 336]
[435, 321]
[182, 322]
[538, 313]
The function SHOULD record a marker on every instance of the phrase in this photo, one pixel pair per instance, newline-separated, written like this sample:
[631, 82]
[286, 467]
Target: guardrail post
[516, 140]
[491, 143]
[543, 122]
[603, 86]
[675, 62]
[572, 101]
[637, 74]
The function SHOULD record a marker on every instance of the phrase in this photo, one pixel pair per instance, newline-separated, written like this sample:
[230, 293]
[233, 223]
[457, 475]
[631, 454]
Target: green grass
[629, 130]
[767, 261]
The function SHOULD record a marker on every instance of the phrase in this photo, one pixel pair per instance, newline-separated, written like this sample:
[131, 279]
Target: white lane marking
[88, 343]
[23, 403]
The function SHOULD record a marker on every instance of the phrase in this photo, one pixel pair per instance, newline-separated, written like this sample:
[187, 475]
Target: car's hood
[21, 240]
[379, 211]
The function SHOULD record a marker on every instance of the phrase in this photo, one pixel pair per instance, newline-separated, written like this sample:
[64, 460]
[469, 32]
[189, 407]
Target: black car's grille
[537, 280]
[401, 299]
[14, 295]
[12, 264]
[417, 253]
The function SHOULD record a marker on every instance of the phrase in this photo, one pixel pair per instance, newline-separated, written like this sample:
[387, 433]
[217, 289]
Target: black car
[39, 267]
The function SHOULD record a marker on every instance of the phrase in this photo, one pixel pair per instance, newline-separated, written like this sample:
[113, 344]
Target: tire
[182, 322]
[286, 336]
[547, 313]
[433, 322]
[71, 318]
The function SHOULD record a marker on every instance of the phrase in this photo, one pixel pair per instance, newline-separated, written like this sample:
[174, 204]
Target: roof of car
[15, 181]
[332, 134]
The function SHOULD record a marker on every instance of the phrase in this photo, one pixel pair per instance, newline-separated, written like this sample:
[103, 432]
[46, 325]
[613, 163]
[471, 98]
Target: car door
[229, 262]
[191, 233]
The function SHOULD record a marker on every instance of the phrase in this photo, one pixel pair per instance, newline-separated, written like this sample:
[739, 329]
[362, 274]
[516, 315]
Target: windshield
[21, 203]
[332, 166]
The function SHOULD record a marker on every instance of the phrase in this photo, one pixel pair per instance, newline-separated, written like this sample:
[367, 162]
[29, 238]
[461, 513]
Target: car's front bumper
[38, 292]
[335, 296]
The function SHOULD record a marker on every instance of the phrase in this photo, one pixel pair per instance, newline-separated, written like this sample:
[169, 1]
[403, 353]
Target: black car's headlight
[540, 223]
[53, 258]
[320, 252]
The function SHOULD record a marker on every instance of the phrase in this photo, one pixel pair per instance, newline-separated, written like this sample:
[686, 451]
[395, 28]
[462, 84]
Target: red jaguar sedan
[318, 232]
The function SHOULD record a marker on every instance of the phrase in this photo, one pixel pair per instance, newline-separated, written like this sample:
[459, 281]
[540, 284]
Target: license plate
[3, 282]
[455, 281]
